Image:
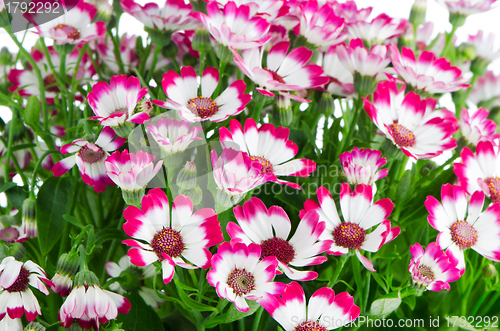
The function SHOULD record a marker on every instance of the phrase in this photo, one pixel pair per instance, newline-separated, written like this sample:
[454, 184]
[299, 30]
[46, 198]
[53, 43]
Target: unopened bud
[5, 56]
[195, 194]
[186, 179]
[29, 218]
[67, 267]
[283, 113]
[201, 41]
[418, 11]
[427, 168]
[489, 271]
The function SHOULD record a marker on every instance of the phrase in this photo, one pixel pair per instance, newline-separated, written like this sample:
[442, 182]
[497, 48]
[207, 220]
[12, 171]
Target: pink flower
[378, 30]
[173, 135]
[234, 26]
[467, 7]
[268, 145]
[12, 233]
[7, 323]
[486, 90]
[326, 311]
[341, 79]
[114, 103]
[357, 59]
[271, 228]
[484, 46]
[238, 273]
[270, 10]
[476, 127]
[410, 122]
[181, 239]
[90, 158]
[16, 297]
[432, 269]
[350, 12]
[428, 73]
[362, 166]
[284, 72]
[461, 227]
[359, 214]
[182, 95]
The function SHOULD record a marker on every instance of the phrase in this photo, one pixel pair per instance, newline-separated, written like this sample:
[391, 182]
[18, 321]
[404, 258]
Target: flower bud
[67, 267]
[5, 56]
[283, 113]
[186, 179]
[326, 104]
[195, 194]
[489, 271]
[201, 41]
[418, 11]
[29, 218]
[427, 168]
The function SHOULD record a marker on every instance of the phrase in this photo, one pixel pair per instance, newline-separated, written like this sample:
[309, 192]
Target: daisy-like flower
[171, 240]
[132, 279]
[461, 227]
[67, 267]
[16, 297]
[12, 233]
[349, 11]
[233, 26]
[476, 127]
[341, 79]
[269, 10]
[269, 146]
[90, 157]
[484, 46]
[427, 74]
[362, 166]
[486, 91]
[467, 7]
[480, 172]
[411, 122]
[284, 72]
[11, 324]
[174, 15]
[173, 135]
[182, 95]
[319, 25]
[238, 274]
[271, 228]
[74, 27]
[432, 269]
[114, 103]
[378, 30]
[359, 214]
[326, 311]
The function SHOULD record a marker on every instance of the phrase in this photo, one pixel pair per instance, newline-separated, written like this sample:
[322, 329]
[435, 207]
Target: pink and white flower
[179, 239]
[432, 269]
[174, 15]
[268, 145]
[7, 323]
[341, 79]
[484, 46]
[267, 9]
[271, 228]
[362, 166]
[467, 7]
[350, 12]
[486, 90]
[233, 26]
[476, 127]
[480, 172]
[182, 95]
[325, 311]
[114, 103]
[380, 29]
[90, 158]
[428, 73]
[463, 225]
[173, 135]
[359, 214]
[74, 27]
[411, 122]
[131, 172]
[16, 297]
[284, 72]
[238, 273]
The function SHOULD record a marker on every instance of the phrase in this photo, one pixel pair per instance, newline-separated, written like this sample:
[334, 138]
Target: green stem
[258, 316]
[222, 68]
[143, 82]
[156, 52]
[346, 140]
[35, 170]
[83, 258]
[340, 266]
[479, 303]
[9, 146]
[359, 284]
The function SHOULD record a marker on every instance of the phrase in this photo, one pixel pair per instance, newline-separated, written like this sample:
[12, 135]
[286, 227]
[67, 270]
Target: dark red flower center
[21, 282]
[267, 167]
[90, 153]
[402, 136]
[202, 107]
[279, 248]
[463, 234]
[69, 30]
[276, 77]
[310, 326]
[241, 281]
[426, 272]
[168, 241]
[494, 186]
[349, 235]
[9, 234]
[50, 81]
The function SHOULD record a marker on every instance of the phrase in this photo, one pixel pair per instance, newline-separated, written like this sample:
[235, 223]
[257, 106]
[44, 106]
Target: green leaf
[72, 220]
[32, 112]
[190, 303]
[16, 196]
[108, 234]
[7, 186]
[140, 317]
[386, 304]
[233, 314]
[403, 187]
[53, 201]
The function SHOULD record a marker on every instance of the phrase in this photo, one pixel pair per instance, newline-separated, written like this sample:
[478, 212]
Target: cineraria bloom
[411, 122]
[476, 126]
[432, 269]
[362, 166]
[74, 27]
[467, 7]
[350, 12]
[484, 47]
[7, 323]
[131, 172]
[239, 273]
[173, 135]
[171, 240]
[278, 34]
[132, 279]
[359, 214]
[233, 26]
[12, 234]
[341, 79]
[269, 146]
[428, 73]
[319, 25]
[114, 103]
[182, 95]
[326, 311]
[90, 157]
[267, 9]
[174, 15]
[486, 90]
[480, 173]
[271, 228]
[284, 72]
[479, 230]
[378, 30]
[16, 297]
